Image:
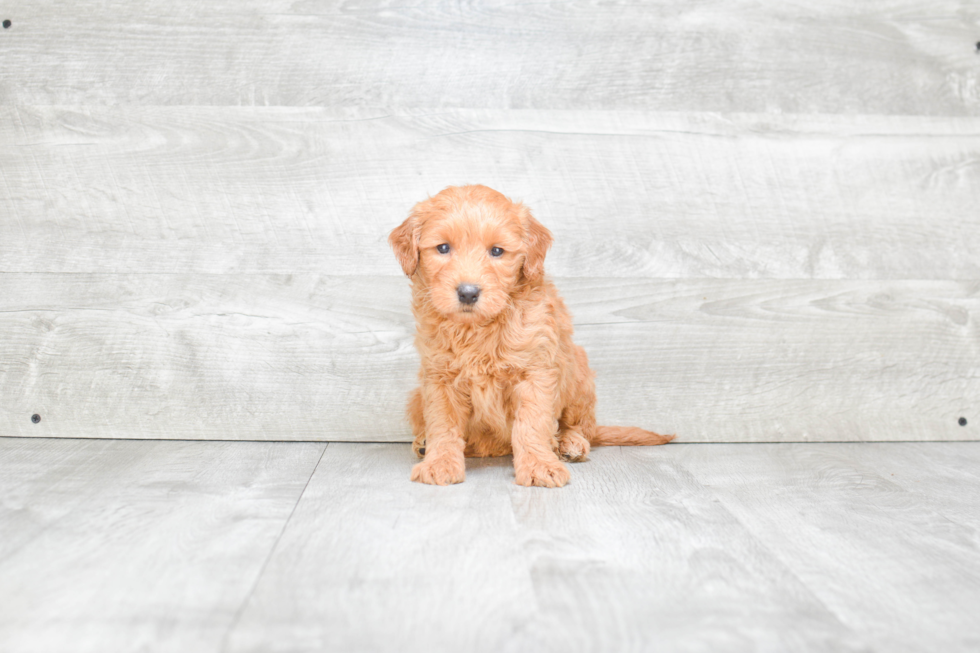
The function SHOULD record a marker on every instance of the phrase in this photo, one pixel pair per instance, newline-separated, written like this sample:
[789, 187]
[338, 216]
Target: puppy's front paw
[542, 474]
[441, 471]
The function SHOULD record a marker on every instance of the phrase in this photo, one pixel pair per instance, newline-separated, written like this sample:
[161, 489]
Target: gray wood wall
[766, 214]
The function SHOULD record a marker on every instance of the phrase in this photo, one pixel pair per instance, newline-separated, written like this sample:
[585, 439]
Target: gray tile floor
[110, 545]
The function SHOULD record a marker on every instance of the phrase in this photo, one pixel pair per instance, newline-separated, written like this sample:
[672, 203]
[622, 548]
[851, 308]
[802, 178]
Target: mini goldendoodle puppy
[500, 373]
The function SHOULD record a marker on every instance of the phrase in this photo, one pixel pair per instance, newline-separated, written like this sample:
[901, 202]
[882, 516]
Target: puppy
[500, 373]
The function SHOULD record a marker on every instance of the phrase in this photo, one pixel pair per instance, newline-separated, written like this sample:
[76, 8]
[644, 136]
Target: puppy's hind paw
[442, 471]
[419, 446]
[572, 446]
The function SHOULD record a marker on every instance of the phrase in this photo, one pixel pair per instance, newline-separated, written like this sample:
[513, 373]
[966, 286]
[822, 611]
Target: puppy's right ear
[537, 240]
[404, 239]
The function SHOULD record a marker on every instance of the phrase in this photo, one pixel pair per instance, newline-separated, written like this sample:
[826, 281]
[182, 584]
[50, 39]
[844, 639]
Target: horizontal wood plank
[308, 357]
[883, 57]
[275, 190]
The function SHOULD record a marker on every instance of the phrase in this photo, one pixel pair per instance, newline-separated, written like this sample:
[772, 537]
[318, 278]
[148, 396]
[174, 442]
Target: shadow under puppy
[500, 373]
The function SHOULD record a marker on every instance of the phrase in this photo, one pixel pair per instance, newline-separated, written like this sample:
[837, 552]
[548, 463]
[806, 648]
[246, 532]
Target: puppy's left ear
[404, 239]
[537, 240]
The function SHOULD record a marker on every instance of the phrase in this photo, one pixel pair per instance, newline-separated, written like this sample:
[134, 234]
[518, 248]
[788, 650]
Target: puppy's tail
[610, 436]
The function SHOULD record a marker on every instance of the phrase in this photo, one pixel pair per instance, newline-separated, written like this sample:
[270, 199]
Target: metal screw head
[35, 418]
[962, 421]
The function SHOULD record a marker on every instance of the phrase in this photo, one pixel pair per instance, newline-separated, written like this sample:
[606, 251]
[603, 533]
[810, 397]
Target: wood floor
[121, 546]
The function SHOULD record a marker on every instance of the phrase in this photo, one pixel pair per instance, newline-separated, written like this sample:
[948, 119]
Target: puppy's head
[471, 248]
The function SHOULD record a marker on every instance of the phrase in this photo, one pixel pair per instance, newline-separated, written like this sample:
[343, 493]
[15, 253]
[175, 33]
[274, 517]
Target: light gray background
[766, 214]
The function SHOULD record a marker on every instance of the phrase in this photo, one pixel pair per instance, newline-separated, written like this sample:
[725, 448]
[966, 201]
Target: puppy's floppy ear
[537, 240]
[404, 239]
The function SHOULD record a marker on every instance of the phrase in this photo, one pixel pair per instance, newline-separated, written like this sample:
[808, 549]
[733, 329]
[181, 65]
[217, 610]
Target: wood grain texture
[137, 546]
[882, 57]
[638, 555]
[306, 357]
[632, 195]
[386, 564]
[202, 546]
[685, 547]
[880, 535]
[212, 357]
[615, 562]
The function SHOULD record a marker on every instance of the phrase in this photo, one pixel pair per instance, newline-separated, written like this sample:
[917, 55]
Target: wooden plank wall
[765, 214]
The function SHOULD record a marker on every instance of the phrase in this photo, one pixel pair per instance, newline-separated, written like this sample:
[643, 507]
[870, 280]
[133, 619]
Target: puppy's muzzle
[468, 293]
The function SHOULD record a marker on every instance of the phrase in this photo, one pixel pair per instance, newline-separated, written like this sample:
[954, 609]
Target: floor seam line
[272, 550]
[773, 553]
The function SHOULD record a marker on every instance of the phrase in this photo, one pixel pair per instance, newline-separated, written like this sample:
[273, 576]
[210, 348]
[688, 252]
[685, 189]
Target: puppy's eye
[496, 251]
[443, 249]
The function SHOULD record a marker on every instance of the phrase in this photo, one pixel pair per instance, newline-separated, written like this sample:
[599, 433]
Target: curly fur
[502, 375]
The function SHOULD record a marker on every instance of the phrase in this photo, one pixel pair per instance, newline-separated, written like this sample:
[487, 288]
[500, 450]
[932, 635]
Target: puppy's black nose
[468, 293]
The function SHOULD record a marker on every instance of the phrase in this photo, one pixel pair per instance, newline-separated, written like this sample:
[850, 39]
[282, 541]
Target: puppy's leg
[576, 426]
[416, 418]
[533, 435]
[572, 445]
[445, 415]
[577, 422]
